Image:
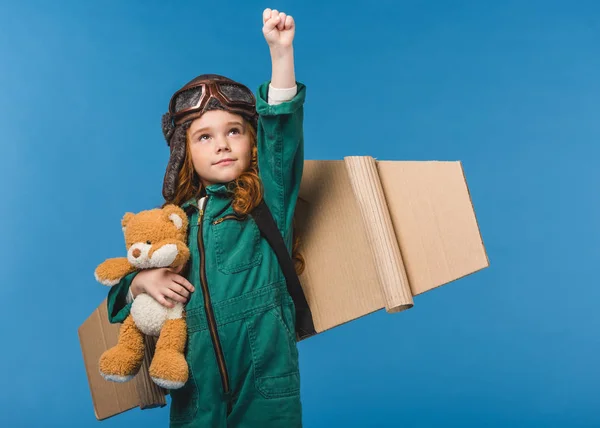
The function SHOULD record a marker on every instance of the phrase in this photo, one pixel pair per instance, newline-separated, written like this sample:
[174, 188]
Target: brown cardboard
[96, 335]
[436, 239]
[374, 234]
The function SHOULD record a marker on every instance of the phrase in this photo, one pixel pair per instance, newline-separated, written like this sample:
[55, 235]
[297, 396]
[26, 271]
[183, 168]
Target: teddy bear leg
[122, 362]
[169, 369]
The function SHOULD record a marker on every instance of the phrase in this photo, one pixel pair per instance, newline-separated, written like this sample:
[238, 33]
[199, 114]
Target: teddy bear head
[156, 238]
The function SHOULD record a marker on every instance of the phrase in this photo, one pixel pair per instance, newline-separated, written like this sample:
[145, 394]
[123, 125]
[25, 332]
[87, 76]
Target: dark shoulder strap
[268, 229]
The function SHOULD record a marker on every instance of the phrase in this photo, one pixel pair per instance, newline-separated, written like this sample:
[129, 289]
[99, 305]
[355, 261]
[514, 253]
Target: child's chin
[226, 178]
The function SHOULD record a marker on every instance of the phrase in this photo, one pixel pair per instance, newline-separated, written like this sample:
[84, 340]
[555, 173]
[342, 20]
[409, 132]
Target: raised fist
[278, 28]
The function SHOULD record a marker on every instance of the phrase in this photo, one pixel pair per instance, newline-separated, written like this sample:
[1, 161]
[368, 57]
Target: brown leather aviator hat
[204, 93]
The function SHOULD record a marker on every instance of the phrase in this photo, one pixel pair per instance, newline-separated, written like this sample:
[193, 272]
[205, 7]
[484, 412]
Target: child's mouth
[225, 162]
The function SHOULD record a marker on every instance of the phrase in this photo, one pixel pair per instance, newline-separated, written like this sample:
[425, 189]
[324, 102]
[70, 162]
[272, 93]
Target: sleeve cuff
[263, 108]
[118, 305]
[281, 95]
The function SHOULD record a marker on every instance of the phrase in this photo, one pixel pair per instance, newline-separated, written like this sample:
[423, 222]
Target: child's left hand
[278, 28]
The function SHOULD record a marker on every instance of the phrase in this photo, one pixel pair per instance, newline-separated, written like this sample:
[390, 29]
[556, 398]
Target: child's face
[215, 136]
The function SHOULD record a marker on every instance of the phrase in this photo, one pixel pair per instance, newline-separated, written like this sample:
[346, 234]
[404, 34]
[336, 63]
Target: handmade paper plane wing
[376, 233]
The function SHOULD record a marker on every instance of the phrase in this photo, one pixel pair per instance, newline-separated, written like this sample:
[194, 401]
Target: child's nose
[222, 143]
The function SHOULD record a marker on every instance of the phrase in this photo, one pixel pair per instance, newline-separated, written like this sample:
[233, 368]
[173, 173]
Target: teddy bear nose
[136, 253]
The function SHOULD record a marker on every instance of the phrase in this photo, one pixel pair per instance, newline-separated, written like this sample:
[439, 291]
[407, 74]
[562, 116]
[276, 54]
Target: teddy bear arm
[111, 271]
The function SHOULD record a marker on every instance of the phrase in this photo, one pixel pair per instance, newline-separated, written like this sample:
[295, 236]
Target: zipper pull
[201, 205]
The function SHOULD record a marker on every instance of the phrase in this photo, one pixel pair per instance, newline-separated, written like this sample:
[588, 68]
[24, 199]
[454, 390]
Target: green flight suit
[241, 349]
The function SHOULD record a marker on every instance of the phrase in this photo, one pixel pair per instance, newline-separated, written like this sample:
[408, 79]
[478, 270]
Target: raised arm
[280, 128]
[279, 30]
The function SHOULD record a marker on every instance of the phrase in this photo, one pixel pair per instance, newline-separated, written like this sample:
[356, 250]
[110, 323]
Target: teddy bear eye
[148, 242]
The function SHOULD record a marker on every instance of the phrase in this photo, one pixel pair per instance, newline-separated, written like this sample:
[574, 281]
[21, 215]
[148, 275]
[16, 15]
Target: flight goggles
[195, 98]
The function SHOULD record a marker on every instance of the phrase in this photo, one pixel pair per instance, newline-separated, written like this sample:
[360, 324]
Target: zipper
[228, 217]
[210, 315]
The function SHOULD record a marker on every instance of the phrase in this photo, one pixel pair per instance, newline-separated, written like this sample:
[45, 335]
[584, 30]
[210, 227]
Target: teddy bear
[154, 238]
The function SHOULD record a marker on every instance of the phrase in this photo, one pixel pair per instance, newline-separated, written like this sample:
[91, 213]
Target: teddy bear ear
[177, 220]
[176, 215]
[125, 220]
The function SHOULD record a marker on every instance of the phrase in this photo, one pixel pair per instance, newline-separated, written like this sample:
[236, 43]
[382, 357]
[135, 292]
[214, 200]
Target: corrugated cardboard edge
[365, 181]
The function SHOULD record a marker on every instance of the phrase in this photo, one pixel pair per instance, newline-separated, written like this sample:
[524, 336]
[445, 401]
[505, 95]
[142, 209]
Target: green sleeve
[117, 305]
[280, 140]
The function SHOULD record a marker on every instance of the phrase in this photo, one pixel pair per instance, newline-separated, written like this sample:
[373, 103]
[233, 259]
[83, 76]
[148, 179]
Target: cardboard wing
[96, 335]
[374, 234]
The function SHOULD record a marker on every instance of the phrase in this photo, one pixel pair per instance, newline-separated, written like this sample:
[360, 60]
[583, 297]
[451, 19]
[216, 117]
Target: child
[228, 152]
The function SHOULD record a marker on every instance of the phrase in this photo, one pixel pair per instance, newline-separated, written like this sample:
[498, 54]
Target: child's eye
[234, 131]
[203, 137]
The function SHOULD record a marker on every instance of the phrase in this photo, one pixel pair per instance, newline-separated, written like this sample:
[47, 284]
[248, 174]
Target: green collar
[193, 202]
[219, 189]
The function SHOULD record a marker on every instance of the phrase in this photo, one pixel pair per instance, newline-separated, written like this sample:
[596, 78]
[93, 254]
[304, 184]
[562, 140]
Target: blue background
[509, 88]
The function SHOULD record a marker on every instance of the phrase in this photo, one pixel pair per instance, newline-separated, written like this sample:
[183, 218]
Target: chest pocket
[237, 242]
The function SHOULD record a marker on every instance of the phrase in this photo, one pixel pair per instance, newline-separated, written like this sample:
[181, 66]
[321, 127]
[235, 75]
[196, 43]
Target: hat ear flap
[171, 179]
[168, 127]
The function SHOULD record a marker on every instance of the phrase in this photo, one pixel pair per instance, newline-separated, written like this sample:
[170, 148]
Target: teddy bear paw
[120, 364]
[169, 369]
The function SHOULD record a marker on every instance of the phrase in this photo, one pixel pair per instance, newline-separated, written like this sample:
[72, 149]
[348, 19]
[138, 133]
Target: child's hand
[162, 284]
[278, 28]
